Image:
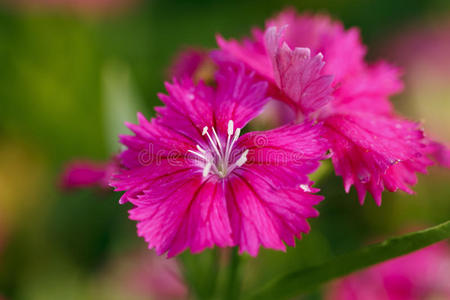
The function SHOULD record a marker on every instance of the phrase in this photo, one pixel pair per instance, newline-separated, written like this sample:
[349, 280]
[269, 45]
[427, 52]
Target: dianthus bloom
[421, 275]
[317, 67]
[195, 182]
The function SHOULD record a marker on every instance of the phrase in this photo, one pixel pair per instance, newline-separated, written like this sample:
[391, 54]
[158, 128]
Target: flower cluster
[197, 179]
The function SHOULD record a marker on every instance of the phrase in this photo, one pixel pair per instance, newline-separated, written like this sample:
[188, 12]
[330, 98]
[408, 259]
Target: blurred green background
[71, 75]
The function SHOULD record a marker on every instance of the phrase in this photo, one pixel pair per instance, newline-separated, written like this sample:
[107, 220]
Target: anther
[243, 159]
[230, 127]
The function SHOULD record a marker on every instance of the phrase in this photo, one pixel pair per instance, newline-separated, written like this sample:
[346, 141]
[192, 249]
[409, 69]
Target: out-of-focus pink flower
[422, 51]
[80, 6]
[313, 64]
[144, 275]
[418, 276]
[195, 183]
[159, 276]
[86, 173]
[422, 45]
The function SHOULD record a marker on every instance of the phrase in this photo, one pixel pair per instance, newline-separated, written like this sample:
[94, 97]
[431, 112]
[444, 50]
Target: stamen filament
[217, 139]
[240, 162]
[211, 140]
[198, 154]
[230, 145]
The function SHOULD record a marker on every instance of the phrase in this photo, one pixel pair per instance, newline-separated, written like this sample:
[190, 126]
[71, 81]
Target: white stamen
[198, 154]
[243, 159]
[230, 145]
[213, 143]
[230, 127]
[207, 168]
[216, 157]
[227, 145]
[217, 138]
[200, 149]
[236, 136]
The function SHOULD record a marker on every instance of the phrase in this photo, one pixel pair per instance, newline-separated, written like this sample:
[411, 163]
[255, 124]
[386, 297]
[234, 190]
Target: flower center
[218, 160]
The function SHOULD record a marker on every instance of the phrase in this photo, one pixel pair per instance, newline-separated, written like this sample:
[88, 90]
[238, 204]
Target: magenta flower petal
[188, 107]
[182, 213]
[369, 90]
[252, 52]
[297, 74]
[263, 215]
[374, 152]
[285, 155]
[196, 184]
[239, 96]
[85, 173]
[342, 49]
[440, 153]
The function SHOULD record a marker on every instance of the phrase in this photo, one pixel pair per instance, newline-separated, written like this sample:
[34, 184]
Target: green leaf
[298, 282]
[121, 102]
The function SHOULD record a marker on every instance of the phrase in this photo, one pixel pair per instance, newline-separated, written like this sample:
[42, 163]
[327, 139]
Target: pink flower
[421, 275]
[196, 183]
[317, 67]
[85, 173]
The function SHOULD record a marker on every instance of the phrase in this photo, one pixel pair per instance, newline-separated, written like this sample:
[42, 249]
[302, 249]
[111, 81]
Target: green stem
[232, 288]
[200, 273]
[214, 271]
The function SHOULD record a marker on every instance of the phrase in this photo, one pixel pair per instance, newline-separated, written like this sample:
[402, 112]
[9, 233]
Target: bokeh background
[72, 71]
